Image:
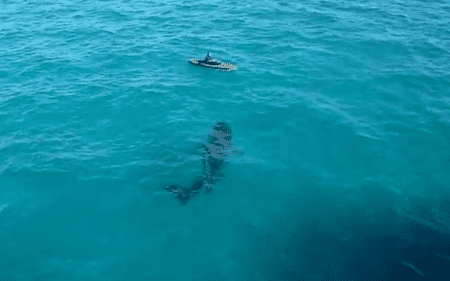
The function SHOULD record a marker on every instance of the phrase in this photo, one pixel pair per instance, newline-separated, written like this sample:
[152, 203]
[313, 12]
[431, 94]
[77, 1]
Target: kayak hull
[222, 66]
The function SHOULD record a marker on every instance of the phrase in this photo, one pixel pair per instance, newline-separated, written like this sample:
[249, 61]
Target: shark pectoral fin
[201, 148]
[238, 152]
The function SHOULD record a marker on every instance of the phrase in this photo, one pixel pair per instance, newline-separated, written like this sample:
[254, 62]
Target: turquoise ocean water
[340, 114]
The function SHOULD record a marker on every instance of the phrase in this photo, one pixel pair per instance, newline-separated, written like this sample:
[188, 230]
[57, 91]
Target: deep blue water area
[340, 160]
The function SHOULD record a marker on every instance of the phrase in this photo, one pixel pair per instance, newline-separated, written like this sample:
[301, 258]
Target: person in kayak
[208, 58]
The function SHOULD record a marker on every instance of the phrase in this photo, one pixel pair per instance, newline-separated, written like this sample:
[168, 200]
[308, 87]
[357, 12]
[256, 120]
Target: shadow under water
[377, 238]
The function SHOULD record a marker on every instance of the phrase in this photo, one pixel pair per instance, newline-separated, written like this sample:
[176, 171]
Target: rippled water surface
[340, 114]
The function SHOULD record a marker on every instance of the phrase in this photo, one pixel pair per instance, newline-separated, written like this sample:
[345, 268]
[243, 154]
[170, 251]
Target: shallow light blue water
[336, 108]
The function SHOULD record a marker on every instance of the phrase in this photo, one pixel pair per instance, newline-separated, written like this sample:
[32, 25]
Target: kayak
[223, 66]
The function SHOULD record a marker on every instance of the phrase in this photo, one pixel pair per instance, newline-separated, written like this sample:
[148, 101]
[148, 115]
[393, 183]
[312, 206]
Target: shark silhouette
[215, 151]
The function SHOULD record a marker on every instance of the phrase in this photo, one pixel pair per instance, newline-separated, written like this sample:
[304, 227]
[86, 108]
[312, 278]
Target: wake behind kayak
[208, 62]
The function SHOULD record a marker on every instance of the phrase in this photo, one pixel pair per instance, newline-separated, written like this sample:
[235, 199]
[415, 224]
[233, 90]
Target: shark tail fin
[182, 193]
[185, 193]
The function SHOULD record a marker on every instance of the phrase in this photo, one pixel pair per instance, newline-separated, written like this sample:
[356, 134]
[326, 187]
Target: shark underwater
[215, 151]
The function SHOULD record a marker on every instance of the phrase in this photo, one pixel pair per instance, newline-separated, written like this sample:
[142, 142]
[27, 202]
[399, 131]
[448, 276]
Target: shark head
[221, 134]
